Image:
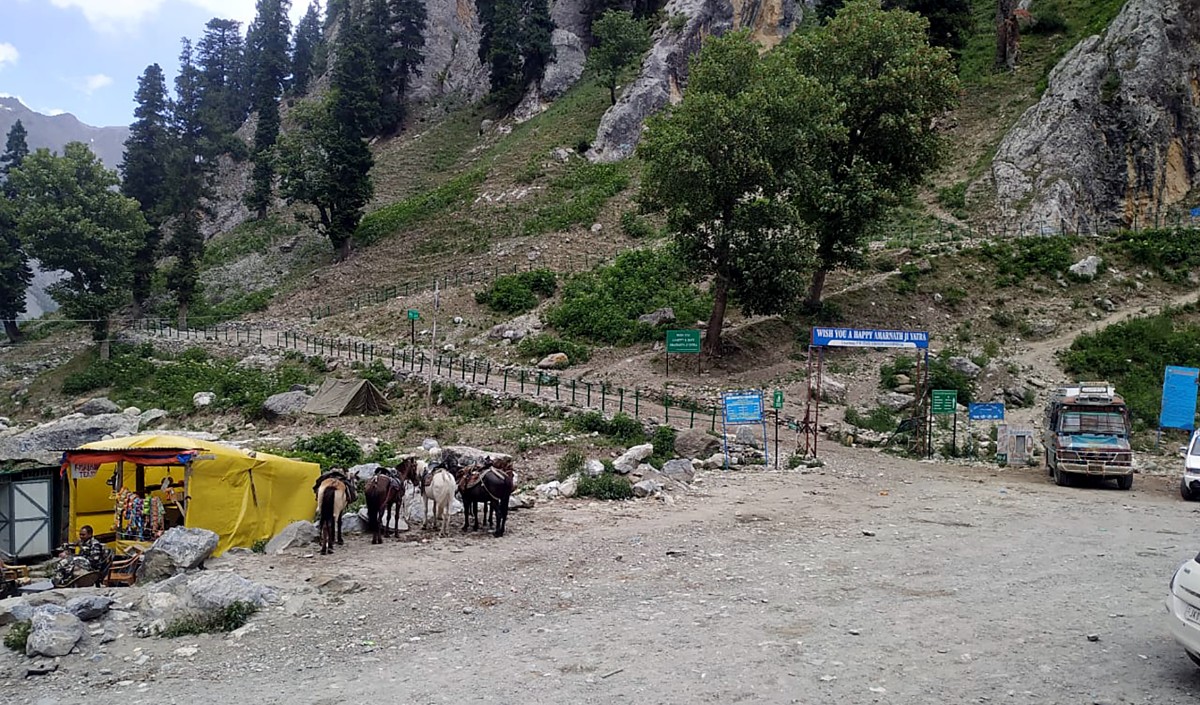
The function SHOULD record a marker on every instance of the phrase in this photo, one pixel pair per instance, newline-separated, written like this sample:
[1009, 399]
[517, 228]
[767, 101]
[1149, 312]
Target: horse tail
[327, 498]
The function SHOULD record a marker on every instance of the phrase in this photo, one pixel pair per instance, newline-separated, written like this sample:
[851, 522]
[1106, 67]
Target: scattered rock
[748, 436]
[98, 406]
[595, 468]
[1093, 637]
[646, 488]
[147, 418]
[89, 607]
[458, 457]
[179, 549]
[41, 668]
[1087, 268]
[554, 361]
[340, 584]
[660, 317]
[548, 490]
[54, 633]
[832, 390]
[202, 400]
[186, 651]
[294, 535]
[354, 523]
[895, 401]
[680, 470]
[363, 472]
[212, 590]
[569, 486]
[630, 459]
[429, 444]
[965, 366]
[45, 442]
[1042, 328]
[285, 404]
[695, 443]
[520, 501]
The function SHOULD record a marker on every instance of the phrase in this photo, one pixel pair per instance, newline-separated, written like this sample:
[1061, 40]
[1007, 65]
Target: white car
[1189, 486]
[1183, 606]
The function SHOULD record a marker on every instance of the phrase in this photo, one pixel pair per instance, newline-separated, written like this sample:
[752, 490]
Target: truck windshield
[1195, 452]
[1095, 422]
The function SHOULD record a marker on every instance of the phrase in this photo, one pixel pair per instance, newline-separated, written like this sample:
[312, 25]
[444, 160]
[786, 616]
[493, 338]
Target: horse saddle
[472, 478]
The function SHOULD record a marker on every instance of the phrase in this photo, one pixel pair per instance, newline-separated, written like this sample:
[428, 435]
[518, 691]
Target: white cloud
[93, 83]
[117, 16]
[8, 54]
[54, 112]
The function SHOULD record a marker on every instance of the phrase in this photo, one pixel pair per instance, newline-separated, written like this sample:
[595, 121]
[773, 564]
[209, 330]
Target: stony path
[876, 581]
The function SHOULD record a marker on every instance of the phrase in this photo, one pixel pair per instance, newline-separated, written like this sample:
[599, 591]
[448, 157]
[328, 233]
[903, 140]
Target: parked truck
[1086, 433]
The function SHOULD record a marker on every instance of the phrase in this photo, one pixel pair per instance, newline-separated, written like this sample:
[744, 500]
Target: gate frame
[25, 472]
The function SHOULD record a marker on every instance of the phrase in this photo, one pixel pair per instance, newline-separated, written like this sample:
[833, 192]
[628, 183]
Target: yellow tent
[131, 489]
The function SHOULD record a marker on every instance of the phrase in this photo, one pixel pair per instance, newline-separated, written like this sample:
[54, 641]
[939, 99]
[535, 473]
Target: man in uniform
[76, 559]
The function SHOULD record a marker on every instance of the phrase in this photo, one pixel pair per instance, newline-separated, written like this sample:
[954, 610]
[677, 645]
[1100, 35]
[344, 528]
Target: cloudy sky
[84, 56]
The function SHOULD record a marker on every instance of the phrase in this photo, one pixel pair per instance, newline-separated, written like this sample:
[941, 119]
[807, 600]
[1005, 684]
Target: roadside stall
[131, 490]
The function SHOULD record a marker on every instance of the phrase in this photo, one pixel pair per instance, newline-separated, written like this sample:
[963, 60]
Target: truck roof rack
[1089, 393]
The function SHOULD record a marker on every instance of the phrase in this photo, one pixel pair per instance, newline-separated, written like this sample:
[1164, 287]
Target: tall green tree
[721, 164]
[73, 219]
[144, 174]
[189, 173]
[620, 40]
[406, 43]
[306, 45]
[271, 31]
[354, 76]
[890, 85]
[515, 44]
[950, 21]
[15, 272]
[224, 97]
[537, 47]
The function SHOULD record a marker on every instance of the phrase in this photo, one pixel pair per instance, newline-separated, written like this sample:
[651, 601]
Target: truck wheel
[1186, 493]
[1062, 479]
[1125, 482]
[1195, 659]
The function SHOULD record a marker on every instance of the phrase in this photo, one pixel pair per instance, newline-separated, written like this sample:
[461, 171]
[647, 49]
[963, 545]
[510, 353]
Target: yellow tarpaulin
[243, 496]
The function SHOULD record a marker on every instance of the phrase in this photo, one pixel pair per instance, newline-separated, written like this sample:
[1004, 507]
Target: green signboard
[945, 401]
[683, 341]
[413, 314]
[777, 399]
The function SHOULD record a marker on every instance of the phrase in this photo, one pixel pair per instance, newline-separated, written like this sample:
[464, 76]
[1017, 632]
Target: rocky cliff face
[451, 68]
[664, 70]
[1115, 140]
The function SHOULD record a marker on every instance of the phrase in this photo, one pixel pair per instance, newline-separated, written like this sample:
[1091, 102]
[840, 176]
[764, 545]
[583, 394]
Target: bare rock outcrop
[1115, 139]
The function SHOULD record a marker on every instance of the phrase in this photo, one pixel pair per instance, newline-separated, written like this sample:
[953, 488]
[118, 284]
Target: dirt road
[878, 581]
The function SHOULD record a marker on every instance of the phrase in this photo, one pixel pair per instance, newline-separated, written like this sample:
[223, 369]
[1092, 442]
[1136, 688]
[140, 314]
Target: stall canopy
[341, 397]
[242, 495]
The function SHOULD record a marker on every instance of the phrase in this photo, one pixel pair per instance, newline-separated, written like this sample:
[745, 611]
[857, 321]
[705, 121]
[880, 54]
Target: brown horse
[385, 492]
[490, 484]
[332, 494]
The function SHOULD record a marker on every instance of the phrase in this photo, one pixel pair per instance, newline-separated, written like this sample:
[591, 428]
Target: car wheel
[1061, 478]
[1185, 491]
[1195, 659]
[1125, 482]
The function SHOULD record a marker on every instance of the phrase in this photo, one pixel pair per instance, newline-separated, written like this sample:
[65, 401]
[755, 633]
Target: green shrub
[603, 305]
[663, 440]
[259, 546]
[18, 634]
[335, 445]
[607, 486]
[954, 197]
[1048, 18]
[677, 22]
[1028, 256]
[395, 217]
[542, 345]
[377, 373]
[623, 429]
[942, 376]
[570, 463]
[635, 226]
[1173, 253]
[518, 293]
[888, 371]
[577, 196]
[877, 419]
[232, 617]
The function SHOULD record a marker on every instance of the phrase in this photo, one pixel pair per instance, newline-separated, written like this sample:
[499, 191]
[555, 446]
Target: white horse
[441, 490]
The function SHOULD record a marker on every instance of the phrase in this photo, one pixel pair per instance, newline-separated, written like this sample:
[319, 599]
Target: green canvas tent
[342, 397]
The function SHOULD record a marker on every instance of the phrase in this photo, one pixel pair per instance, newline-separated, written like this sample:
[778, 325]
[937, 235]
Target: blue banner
[1179, 398]
[743, 407]
[869, 338]
[986, 412]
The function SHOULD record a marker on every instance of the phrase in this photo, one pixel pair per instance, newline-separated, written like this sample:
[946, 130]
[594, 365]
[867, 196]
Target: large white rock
[295, 535]
[630, 459]
[179, 549]
[54, 633]
[46, 442]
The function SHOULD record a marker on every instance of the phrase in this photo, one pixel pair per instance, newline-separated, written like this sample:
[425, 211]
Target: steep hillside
[54, 131]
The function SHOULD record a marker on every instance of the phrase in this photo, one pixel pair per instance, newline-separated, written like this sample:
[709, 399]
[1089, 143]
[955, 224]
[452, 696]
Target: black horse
[491, 485]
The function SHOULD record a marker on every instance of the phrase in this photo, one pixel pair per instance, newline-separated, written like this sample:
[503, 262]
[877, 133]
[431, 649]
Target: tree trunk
[1006, 35]
[817, 289]
[712, 337]
[12, 331]
[612, 93]
[182, 323]
[137, 309]
[262, 212]
[100, 331]
[344, 250]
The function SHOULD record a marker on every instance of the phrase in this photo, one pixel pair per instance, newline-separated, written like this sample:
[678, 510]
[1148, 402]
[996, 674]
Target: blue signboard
[743, 407]
[1179, 398]
[986, 412]
[1196, 212]
[868, 338]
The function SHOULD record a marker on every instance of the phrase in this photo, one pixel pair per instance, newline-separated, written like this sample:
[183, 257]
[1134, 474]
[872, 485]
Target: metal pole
[776, 439]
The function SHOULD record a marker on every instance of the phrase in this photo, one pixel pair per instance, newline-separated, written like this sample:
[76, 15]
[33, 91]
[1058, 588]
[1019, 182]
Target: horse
[332, 500]
[384, 494]
[492, 484]
[441, 491]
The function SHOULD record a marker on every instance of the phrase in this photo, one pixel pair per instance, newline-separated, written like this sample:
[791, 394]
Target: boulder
[1086, 268]
[516, 329]
[646, 488]
[89, 607]
[15, 609]
[98, 406]
[964, 366]
[179, 549]
[833, 391]
[45, 442]
[363, 472]
[680, 470]
[906, 388]
[748, 436]
[149, 417]
[521, 501]
[212, 590]
[554, 361]
[593, 468]
[54, 633]
[429, 444]
[285, 404]
[568, 487]
[1042, 328]
[294, 535]
[202, 400]
[695, 443]
[895, 401]
[631, 458]
[354, 523]
[716, 461]
[660, 317]
[567, 66]
[548, 490]
[412, 507]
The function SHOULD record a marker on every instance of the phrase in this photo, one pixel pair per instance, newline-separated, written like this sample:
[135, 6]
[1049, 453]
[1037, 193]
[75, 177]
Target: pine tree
[354, 77]
[334, 12]
[189, 172]
[144, 174]
[375, 27]
[219, 56]
[409, 19]
[15, 273]
[537, 49]
[271, 31]
[306, 44]
[515, 44]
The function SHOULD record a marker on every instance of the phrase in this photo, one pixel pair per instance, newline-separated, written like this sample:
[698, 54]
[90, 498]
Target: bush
[877, 419]
[376, 373]
[636, 226]
[570, 463]
[224, 620]
[18, 634]
[954, 197]
[259, 546]
[1048, 19]
[1172, 253]
[623, 428]
[577, 196]
[343, 450]
[542, 345]
[518, 293]
[1028, 256]
[942, 376]
[395, 217]
[663, 440]
[888, 371]
[608, 486]
[603, 305]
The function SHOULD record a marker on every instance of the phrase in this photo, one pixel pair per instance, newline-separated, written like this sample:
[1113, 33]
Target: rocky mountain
[54, 131]
[1115, 139]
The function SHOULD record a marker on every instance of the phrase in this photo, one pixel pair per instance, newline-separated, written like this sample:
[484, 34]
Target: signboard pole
[412, 331]
[777, 439]
[667, 358]
[954, 437]
[724, 438]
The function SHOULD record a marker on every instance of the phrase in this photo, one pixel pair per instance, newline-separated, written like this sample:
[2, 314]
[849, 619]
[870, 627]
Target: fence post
[636, 401]
[538, 393]
[557, 385]
[666, 408]
[505, 388]
[621, 403]
[603, 393]
[589, 394]
[692, 419]
[487, 372]
[522, 381]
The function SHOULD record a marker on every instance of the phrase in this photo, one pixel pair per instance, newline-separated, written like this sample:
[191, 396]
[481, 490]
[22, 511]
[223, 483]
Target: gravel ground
[875, 580]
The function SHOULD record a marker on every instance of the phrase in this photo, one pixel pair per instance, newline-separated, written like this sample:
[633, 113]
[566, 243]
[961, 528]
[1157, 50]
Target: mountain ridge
[55, 131]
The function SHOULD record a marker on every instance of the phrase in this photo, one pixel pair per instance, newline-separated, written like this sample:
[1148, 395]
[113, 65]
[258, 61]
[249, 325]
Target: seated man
[86, 556]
